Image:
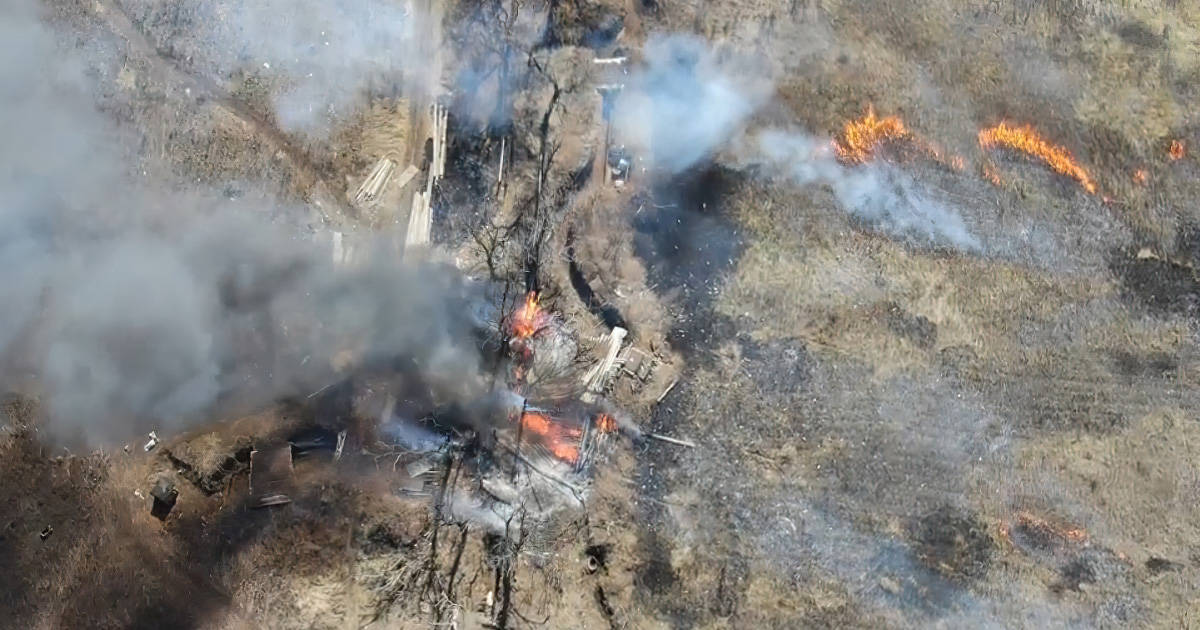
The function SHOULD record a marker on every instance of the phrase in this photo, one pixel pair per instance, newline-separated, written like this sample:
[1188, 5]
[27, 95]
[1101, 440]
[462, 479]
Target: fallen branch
[671, 440]
[552, 477]
[666, 391]
[321, 390]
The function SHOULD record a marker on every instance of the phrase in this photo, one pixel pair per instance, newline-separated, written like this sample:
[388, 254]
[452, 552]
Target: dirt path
[164, 68]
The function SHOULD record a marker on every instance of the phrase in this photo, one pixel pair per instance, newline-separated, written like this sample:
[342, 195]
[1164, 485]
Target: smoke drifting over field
[690, 101]
[876, 193]
[131, 305]
[316, 59]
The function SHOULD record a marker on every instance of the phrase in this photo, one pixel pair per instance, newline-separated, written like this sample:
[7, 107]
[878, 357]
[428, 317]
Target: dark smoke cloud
[130, 305]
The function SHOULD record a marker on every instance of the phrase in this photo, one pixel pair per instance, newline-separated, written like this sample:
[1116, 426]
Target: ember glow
[861, 138]
[529, 318]
[561, 440]
[989, 173]
[1176, 151]
[1043, 529]
[1027, 140]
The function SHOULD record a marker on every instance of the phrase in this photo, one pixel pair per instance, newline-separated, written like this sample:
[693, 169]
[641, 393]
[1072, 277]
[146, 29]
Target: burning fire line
[1027, 140]
[1056, 533]
[861, 138]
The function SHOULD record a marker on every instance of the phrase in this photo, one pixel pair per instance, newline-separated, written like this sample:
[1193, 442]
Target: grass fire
[597, 314]
[1026, 140]
[1176, 150]
[862, 138]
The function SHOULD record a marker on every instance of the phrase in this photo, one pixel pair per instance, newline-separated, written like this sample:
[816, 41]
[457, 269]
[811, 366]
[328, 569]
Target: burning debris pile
[500, 456]
[535, 333]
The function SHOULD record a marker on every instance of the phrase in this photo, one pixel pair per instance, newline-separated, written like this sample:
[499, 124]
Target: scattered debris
[619, 163]
[270, 476]
[318, 392]
[596, 380]
[889, 585]
[208, 461]
[637, 363]
[165, 495]
[341, 443]
[419, 467]
[312, 440]
[671, 440]
[151, 443]
[663, 396]
[376, 180]
[420, 219]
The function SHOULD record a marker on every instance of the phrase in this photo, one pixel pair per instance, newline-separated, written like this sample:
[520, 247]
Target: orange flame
[529, 318]
[989, 172]
[860, 138]
[606, 423]
[559, 439]
[1044, 527]
[1027, 140]
[1176, 151]
[1141, 177]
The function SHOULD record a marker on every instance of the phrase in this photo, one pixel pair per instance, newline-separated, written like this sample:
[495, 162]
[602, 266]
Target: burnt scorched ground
[887, 433]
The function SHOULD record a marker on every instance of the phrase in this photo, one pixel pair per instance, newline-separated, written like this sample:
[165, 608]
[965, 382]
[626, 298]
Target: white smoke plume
[318, 58]
[687, 101]
[129, 305]
[878, 194]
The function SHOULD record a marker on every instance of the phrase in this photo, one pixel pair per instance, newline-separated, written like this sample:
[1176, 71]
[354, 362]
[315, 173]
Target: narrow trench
[604, 310]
